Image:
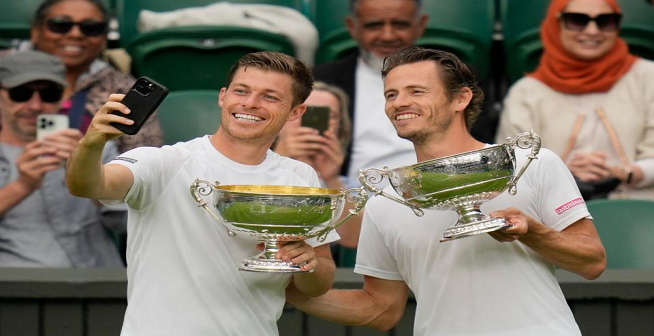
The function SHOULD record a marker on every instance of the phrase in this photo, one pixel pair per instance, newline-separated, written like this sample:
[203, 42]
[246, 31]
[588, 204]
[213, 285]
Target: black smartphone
[142, 99]
[316, 117]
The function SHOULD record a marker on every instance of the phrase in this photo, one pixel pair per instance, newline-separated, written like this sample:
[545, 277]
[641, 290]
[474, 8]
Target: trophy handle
[359, 197]
[201, 188]
[524, 140]
[370, 176]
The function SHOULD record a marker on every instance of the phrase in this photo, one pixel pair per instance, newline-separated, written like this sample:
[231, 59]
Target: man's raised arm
[85, 174]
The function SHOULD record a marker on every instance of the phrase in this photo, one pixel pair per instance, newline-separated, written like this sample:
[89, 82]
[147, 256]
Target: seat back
[638, 27]
[129, 10]
[626, 228]
[463, 27]
[185, 115]
[329, 18]
[198, 57]
[521, 22]
[16, 18]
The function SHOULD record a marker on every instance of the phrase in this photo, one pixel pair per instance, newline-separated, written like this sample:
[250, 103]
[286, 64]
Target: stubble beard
[423, 136]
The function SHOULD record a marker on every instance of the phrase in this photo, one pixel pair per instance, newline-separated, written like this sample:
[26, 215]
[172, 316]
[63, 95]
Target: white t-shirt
[181, 264]
[476, 285]
[376, 143]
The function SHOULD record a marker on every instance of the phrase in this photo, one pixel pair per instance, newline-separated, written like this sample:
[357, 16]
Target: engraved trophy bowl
[460, 182]
[273, 214]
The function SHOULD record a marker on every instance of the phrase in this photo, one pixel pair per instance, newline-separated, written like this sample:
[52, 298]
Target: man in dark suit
[379, 27]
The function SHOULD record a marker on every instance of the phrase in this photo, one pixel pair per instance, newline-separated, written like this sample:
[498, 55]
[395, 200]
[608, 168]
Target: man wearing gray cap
[41, 224]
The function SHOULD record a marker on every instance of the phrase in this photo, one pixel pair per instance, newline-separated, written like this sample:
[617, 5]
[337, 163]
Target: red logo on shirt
[569, 205]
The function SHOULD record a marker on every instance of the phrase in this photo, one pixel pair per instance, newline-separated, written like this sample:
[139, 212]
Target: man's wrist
[24, 188]
[630, 177]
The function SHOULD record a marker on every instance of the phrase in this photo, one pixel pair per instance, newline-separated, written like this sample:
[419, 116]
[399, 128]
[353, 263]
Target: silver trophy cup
[275, 214]
[460, 182]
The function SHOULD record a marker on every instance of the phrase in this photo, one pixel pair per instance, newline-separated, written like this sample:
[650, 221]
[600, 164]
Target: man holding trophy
[182, 266]
[496, 283]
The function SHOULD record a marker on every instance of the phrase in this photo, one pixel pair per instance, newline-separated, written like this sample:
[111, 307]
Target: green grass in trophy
[442, 186]
[282, 218]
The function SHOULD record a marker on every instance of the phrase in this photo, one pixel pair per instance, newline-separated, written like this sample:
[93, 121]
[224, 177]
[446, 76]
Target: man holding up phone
[41, 224]
[182, 267]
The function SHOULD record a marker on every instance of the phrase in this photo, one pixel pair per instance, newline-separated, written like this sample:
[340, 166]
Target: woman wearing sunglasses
[591, 101]
[76, 32]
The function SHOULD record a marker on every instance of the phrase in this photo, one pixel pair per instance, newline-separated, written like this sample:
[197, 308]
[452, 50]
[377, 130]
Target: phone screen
[316, 117]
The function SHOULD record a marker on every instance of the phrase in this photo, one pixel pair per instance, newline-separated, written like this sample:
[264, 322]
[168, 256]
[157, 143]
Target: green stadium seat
[198, 57]
[128, 11]
[521, 26]
[185, 115]
[193, 57]
[626, 228]
[463, 27]
[16, 18]
[329, 18]
[638, 27]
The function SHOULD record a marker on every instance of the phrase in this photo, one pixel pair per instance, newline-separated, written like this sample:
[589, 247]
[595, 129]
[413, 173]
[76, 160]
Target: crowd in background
[590, 100]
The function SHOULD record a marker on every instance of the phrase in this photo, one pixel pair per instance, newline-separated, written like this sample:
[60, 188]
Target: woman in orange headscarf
[590, 100]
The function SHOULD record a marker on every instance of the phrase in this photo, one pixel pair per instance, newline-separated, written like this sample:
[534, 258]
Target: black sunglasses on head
[87, 27]
[578, 21]
[48, 94]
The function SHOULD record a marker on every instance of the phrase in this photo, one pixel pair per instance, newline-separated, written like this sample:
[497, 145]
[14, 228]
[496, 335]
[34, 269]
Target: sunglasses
[23, 93]
[87, 27]
[577, 21]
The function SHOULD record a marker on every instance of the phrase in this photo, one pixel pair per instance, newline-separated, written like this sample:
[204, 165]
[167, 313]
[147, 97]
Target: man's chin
[373, 60]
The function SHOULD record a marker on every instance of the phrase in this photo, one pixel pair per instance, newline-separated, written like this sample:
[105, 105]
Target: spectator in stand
[324, 152]
[41, 224]
[591, 101]
[76, 32]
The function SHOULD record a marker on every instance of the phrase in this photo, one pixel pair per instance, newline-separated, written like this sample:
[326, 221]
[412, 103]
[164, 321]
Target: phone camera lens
[144, 88]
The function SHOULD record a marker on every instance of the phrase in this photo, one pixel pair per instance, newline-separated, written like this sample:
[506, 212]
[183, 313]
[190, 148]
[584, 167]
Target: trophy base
[474, 228]
[271, 266]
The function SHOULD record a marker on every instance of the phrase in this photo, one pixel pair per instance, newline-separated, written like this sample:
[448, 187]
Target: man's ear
[221, 95]
[351, 25]
[297, 112]
[463, 99]
[422, 24]
[35, 34]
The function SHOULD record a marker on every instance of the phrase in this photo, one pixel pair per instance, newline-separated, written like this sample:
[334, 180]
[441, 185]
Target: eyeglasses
[578, 21]
[87, 27]
[23, 93]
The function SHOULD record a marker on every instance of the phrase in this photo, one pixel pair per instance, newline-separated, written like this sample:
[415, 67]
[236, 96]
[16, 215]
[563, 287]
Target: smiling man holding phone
[182, 269]
[37, 214]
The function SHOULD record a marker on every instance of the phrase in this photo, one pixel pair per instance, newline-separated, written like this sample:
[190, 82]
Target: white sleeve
[559, 201]
[647, 166]
[147, 164]
[373, 256]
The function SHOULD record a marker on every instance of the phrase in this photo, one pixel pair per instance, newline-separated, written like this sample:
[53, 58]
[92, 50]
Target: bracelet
[629, 177]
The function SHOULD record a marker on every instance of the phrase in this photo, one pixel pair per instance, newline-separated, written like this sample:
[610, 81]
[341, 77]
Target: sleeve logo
[569, 205]
[123, 158]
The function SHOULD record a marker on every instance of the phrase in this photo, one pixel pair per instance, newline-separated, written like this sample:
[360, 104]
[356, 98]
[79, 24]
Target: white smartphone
[47, 124]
